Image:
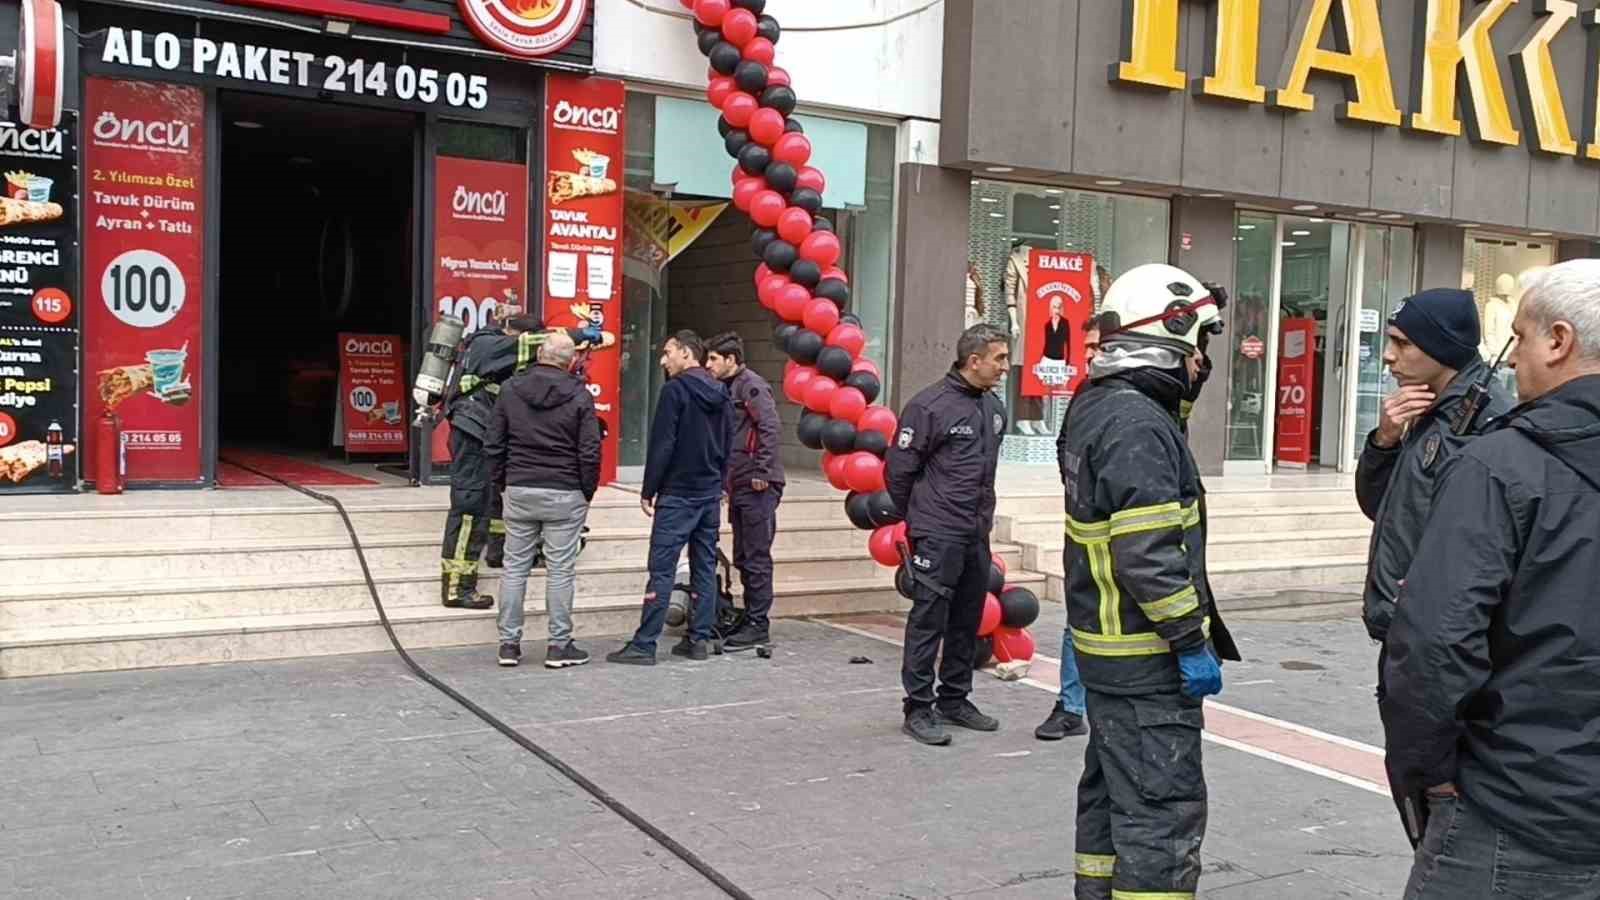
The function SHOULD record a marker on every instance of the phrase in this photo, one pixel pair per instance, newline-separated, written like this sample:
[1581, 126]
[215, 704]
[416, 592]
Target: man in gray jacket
[1432, 350]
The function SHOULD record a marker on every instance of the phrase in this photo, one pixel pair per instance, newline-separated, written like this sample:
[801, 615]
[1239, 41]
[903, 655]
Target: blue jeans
[1463, 856]
[679, 521]
[1072, 699]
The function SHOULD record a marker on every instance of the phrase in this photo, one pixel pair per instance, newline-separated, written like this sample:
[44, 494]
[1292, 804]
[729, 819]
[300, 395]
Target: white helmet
[1162, 305]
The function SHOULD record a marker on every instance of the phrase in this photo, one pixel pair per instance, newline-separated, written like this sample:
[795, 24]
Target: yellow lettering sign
[1235, 49]
[1446, 50]
[1150, 49]
[1591, 91]
[1361, 58]
[1535, 74]
[1149, 45]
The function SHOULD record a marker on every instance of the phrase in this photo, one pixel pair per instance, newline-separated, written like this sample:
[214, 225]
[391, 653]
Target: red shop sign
[1297, 381]
[143, 286]
[1060, 304]
[583, 234]
[372, 393]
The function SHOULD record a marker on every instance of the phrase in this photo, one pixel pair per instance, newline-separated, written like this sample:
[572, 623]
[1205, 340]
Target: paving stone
[236, 880]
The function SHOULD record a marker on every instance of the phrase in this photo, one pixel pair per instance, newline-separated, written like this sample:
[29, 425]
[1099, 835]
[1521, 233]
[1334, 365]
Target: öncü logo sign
[137, 134]
[603, 119]
[359, 347]
[525, 27]
[488, 206]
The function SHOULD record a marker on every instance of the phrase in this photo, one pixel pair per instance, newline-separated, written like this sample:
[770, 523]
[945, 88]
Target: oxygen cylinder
[444, 338]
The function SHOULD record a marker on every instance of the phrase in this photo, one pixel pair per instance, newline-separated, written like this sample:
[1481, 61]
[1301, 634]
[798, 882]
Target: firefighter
[1143, 622]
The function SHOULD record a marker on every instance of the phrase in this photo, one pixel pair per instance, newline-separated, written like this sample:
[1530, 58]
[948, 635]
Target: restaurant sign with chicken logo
[525, 27]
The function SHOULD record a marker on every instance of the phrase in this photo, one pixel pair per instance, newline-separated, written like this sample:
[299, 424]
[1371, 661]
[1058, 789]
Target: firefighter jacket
[940, 470]
[1135, 557]
[488, 358]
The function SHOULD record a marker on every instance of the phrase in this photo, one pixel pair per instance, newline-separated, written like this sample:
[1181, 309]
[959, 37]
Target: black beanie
[1444, 323]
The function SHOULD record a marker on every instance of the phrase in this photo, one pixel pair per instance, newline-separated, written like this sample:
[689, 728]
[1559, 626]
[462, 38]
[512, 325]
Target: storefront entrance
[1307, 333]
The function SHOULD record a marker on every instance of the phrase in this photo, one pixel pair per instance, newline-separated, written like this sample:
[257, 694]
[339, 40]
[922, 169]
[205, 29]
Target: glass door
[1388, 272]
[1252, 337]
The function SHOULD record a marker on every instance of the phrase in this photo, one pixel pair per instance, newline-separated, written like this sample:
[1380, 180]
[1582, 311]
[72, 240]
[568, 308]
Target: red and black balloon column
[799, 278]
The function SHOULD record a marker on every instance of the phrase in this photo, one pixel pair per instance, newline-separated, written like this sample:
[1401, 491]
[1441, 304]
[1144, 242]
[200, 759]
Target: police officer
[1141, 614]
[941, 472]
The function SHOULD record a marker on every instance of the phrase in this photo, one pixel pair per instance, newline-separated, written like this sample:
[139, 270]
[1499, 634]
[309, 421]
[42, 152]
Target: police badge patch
[907, 435]
[999, 423]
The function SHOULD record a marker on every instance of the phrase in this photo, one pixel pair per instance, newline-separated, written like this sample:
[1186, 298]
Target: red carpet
[289, 468]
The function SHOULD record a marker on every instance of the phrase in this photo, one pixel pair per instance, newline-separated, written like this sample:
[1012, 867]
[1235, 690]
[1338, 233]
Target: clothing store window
[1249, 330]
[1010, 221]
[1493, 270]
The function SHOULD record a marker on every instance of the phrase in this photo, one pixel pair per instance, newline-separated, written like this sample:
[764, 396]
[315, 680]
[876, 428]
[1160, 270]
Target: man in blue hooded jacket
[684, 472]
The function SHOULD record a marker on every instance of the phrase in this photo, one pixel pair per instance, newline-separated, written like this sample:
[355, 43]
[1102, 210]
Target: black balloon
[805, 346]
[754, 158]
[708, 38]
[806, 199]
[834, 362]
[755, 6]
[902, 584]
[779, 255]
[855, 509]
[735, 141]
[835, 290]
[850, 319]
[790, 126]
[806, 272]
[760, 238]
[767, 27]
[809, 431]
[839, 436]
[779, 97]
[725, 57]
[867, 383]
[781, 334]
[782, 177]
[1019, 608]
[880, 506]
[982, 652]
[723, 126]
[751, 77]
[997, 580]
[872, 442]
[821, 223]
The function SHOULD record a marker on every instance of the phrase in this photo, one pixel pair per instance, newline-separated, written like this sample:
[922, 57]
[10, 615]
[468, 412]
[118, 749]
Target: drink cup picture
[167, 367]
[599, 165]
[39, 189]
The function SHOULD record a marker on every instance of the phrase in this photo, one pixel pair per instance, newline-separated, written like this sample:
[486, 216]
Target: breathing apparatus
[438, 356]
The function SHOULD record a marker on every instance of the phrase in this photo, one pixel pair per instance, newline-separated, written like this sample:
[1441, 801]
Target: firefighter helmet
[1163, 305]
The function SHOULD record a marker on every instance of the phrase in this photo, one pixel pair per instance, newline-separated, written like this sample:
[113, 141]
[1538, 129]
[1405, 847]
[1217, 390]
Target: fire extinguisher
[110, 455]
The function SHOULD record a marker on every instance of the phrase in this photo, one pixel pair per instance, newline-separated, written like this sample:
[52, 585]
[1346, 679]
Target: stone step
[1035, 502]
[1228, 547]
[1049, 528]
[284, 591]
[112, 646]
[1253, 576]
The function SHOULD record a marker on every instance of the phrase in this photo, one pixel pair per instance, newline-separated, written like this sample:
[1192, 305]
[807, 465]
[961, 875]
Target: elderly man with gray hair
[1492, 710]
[544, 453]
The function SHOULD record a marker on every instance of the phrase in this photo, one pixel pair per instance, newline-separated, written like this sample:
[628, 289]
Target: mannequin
[974, 307]
[1029, 410]
[1498, 311]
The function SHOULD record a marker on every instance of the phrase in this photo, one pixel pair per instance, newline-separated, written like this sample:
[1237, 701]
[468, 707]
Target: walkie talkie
[1478, 394]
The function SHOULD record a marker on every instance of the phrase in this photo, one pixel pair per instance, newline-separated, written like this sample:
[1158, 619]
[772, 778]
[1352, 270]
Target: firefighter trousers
[1142, 799]
[466, 528]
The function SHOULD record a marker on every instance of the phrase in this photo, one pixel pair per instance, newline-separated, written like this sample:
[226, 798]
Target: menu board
[38, 308]
[372, 393]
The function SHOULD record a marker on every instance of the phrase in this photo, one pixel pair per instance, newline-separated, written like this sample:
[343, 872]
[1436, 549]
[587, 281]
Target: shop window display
[1008, 223]
[1493, 270]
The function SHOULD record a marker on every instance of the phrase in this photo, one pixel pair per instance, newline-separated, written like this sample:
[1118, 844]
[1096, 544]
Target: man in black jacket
[941, 472]
[1432, 350]
[544, 453]
[685, 469]
[755, 483]
[1491, 710]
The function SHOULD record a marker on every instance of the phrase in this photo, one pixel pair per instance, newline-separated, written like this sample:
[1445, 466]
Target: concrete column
[1202, 245]
[930, 279]
[1441, 252]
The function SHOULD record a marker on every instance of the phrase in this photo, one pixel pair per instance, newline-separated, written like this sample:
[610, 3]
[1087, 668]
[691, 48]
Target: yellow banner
[658, 229]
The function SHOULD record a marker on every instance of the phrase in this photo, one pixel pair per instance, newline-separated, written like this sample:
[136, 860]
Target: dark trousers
[948, 588]
[754, 517]
[466, 527]
[679, 521]
[1463, 856]
[1142, 798]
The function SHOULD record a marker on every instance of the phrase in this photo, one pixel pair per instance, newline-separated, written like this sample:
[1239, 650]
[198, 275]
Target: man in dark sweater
[684, 473]
[755, 483]
[544, 453]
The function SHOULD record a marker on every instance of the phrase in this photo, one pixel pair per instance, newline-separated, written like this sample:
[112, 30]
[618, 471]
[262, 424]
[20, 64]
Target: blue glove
[1201, 673]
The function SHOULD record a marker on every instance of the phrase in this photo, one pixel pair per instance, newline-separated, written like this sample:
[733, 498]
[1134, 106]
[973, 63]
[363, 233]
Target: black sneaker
[967, 716]
[510, 654]
[564, 657]
[630, 655]
[471, 601]
[699, 651]
[924, 727]
[1061, 724]
[745, 639]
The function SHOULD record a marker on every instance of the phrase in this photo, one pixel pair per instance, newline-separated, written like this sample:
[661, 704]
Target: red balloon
[820, 316]
[833, 467]
[739, 26]
[794, 225]
[795, 383]
[762, 271]
[720, 88]
[746, 190]
[738, 107]
[991, 615]
[811, 178]
[880, 419]
[902, 534]
[835, 272]
[819, 394]
[711, 12]
[765, 208]
[779, 76]
[848, 338]
[882, 547]
[760, 50]
[793, 148]
[998, 562]
[1013, 644]
[770, 289]
[766, 126]
[687, 4]
[792, 302]
[821, 247]
[863, 472]
[848, 404]
[866, 365]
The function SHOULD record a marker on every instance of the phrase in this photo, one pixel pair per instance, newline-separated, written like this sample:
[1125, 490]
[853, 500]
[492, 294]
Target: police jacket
[544, 433]
[756, 435]
[1493, 672]
[941, 469]
[1135, 557]
[1395, 489]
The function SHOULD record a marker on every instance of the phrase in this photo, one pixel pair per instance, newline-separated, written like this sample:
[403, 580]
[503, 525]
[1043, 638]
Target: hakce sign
[1457, 48]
